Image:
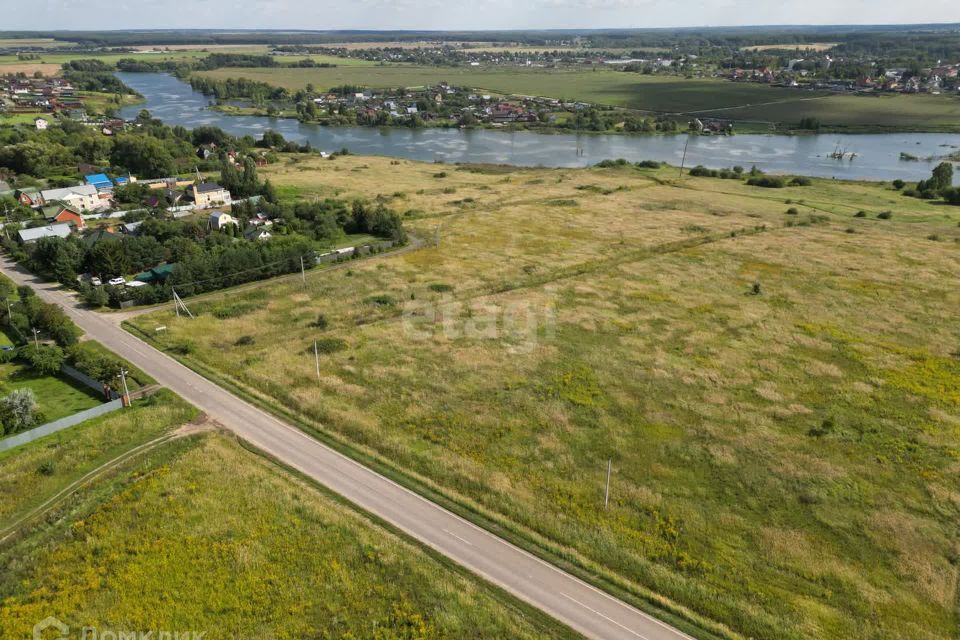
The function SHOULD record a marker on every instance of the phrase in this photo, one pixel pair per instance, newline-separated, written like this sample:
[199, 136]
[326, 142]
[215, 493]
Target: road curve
[586, 609]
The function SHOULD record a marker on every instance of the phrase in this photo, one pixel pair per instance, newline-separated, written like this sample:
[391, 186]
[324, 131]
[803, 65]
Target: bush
[441, 174]
[44, 359]
[885, 215]
[767, 182]
[244, 341]
[860, 214]
[321, 322]
[382, 299]
[441, 287]
[327, 345]
[648, 164]
[801, 181]
[899, 184]
[792, 211]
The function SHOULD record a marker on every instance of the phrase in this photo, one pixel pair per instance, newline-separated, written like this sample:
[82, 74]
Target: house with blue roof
[99, 180]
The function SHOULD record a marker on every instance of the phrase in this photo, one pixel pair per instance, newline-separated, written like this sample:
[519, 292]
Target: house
[258, 233]
[130, 228]
[156, 274]
[29, 197]
[4, 187]
[208, 194]
[59, 212]
[41, 124]
[84, 196]
[218, 220]
[99, 235]
[99, 180]
[52, 231]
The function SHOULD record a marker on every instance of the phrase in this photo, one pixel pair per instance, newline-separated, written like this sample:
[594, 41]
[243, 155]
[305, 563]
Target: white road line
[467, 542]
[610, 620]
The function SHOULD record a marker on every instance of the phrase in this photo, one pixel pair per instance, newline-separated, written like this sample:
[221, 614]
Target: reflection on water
[175, 103]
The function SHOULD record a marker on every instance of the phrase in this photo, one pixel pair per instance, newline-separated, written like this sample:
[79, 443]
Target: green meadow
[200, 534]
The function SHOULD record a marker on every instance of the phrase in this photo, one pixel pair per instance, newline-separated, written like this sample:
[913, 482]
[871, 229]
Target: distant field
[49, 43]
[778, 392]
[206, 536]
[709, 97]
[29, 68]
[810, 46]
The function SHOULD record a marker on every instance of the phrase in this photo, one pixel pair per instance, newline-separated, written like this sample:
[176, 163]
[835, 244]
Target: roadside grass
[31, 474]
[662, 94]
[784, 463]
[249, 551]
[57, 396]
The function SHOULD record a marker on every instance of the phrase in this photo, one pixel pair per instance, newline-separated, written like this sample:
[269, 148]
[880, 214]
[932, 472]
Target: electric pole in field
[179, 304]
[303, 272]
[36, 341]
[606, 493]
[126, 391]
[684, 160]
[316, 356]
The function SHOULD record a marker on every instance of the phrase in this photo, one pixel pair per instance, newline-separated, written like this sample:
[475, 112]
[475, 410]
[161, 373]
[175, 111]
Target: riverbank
[174, 102]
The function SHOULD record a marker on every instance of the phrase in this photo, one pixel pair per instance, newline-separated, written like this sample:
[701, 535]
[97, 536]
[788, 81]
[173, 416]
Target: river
[176, 103]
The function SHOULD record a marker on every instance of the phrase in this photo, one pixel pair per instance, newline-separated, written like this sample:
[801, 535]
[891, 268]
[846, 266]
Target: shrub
[382, 299]
[609, 164]
[441, 174]
[885, 215]
[767, 182]
[321, 322]
[899, 184]
[792, 211]
[244, 341]
[44, 359]
[801, 181]
[327, 345]
[860, 214]
[648, 164]
[441, 287]
[46, 469]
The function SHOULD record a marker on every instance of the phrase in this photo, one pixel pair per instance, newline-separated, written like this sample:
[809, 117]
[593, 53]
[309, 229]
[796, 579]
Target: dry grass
[623, 328]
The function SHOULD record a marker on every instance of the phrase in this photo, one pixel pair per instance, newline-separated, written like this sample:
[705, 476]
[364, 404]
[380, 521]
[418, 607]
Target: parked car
[95, 282]
[116, 282]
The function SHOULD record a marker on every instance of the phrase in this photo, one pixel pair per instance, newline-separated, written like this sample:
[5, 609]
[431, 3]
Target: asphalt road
[588, 610]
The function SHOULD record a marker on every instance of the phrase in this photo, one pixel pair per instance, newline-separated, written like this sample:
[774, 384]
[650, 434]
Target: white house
[258, 233]
[218, 220]
[41, 124]
[84, 196]
[207, 194]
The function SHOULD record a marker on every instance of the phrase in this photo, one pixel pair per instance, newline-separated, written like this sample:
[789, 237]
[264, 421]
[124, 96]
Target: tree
[44, 359]
[17, 410]
[143, 155]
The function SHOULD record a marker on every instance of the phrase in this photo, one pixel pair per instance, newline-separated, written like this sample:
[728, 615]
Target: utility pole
[684, 160]
[606, 493]
[316, 356]
[36, 341]
[303, 272]
[126, 391]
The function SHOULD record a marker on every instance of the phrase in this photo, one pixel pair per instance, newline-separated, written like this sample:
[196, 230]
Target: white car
[116, 282]
[95, 282]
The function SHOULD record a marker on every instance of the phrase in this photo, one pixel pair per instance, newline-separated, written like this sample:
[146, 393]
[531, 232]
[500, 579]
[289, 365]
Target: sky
[455, 14]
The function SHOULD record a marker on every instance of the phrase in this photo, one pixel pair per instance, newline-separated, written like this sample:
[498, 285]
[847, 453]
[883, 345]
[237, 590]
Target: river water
[175, 102]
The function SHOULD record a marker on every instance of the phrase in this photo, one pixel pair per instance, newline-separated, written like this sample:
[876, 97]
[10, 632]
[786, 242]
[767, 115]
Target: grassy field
[785, 456]
[57, 397]
[720, 98]
[31, 474]
[203, 535]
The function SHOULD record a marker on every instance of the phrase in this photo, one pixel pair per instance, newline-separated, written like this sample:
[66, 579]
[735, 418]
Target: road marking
[610, 620]
[467, 542]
